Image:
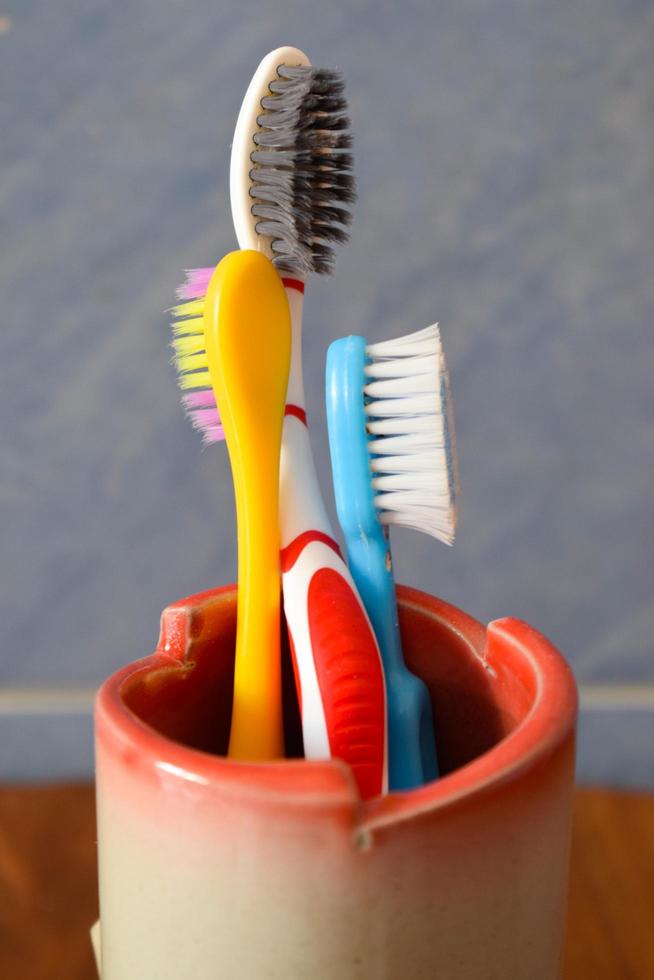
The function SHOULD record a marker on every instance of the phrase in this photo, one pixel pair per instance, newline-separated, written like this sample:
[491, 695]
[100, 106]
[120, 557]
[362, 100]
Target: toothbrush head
[391, 435]
[190, 357]
[291, 169]
[410, 428]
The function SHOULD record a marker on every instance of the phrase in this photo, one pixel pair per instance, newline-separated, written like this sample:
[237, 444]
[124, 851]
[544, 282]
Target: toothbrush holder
[214, 868]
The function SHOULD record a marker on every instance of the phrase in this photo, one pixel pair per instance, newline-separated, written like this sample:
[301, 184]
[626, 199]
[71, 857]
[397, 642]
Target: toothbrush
[391, 440]
[245, 311]
[338, 671]
[291, 187]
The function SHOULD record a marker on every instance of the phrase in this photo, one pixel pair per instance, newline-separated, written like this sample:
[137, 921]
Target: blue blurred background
[504, 157]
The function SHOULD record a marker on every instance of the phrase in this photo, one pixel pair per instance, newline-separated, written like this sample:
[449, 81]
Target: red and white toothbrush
[290, 187]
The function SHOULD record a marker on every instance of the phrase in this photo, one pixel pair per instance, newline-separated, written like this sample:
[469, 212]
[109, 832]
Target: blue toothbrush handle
[411, 747]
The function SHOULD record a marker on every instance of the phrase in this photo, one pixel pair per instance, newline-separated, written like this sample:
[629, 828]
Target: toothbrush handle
[337, 664]
[338, 670]
[411, 749]
[411, 746]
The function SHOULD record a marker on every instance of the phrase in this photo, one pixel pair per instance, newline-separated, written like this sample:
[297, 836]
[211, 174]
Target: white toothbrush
[291, 186]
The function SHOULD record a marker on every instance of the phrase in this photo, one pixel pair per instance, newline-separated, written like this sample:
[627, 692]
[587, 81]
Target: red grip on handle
[350, 676]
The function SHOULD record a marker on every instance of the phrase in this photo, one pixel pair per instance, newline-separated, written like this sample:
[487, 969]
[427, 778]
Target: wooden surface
[611, 904]
[48, 885]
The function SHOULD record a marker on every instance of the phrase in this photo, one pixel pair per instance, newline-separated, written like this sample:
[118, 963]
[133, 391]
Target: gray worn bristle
[302, 183]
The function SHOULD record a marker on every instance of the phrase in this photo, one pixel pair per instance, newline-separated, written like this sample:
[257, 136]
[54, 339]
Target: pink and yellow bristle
[190, 358]
[197, 283]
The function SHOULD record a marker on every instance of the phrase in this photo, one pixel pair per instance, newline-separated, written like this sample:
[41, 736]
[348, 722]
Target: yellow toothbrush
[246, 329]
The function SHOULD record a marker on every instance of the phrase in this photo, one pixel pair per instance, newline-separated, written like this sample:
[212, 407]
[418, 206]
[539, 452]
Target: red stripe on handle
[293, 284]
[297, 412]
[349, 672]
[290, 554]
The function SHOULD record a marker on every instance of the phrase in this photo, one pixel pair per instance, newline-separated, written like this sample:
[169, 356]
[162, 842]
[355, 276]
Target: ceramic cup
[217, 869]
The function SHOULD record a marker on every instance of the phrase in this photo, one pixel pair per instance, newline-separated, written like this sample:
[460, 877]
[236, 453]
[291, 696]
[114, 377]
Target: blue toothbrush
[391, 441]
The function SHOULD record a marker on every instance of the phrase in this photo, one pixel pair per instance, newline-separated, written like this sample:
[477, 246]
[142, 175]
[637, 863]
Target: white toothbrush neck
[301, 506]
[295, 392]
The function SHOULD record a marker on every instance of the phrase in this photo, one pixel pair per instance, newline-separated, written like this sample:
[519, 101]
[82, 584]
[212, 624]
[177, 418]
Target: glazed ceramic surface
[211, 868]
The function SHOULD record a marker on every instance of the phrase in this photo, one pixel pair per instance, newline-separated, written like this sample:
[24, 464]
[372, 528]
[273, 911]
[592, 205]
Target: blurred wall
[504, 153]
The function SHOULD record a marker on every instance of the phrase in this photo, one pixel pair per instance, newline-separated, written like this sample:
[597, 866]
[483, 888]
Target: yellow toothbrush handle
[247, 330]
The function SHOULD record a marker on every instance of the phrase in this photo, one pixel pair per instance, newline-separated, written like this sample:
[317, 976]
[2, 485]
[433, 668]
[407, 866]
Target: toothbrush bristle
[196, 284]
[411, 434]
[302, 182]
[199, 399]
[190, 356]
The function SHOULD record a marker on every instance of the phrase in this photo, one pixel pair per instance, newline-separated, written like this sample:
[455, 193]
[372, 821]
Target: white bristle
[423, 424]
[418, 344]
[411, 434]
[403, 367]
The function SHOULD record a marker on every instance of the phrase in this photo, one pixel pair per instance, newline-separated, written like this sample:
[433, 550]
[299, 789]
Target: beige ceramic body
[215, 869]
